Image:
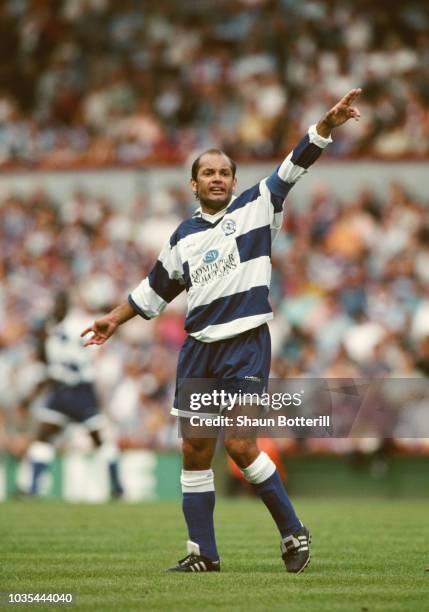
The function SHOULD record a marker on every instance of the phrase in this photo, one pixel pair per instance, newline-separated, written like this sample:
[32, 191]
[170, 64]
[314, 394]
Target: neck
[212, 210]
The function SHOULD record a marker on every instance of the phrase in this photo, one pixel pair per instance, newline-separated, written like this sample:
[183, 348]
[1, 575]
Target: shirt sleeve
[163, 284]
[296, 164]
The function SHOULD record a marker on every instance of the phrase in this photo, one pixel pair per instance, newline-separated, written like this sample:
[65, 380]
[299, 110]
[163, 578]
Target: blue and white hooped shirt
[223, 261]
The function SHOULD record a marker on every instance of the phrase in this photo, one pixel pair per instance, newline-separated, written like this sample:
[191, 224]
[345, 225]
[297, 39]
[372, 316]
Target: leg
[197, 476]
[261, 471]
[41, 453]
[199, 495]
[109, 451]
[258, 469]
[88, 413]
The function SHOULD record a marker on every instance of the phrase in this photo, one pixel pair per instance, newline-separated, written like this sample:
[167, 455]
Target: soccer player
[71, 394]
[221, 257]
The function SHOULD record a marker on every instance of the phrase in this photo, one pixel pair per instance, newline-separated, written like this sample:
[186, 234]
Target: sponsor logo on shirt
[215, 269]
[211, 256]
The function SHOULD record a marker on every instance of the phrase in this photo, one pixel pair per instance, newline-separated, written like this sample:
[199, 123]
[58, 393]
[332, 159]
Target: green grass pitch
[367, 555]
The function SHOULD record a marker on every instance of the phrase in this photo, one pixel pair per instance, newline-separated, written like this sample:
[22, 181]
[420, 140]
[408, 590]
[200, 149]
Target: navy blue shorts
[66, 404]
[239, 364]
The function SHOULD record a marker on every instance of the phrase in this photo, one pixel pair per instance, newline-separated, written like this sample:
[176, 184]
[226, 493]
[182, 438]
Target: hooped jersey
[223, 261]
[67, 360]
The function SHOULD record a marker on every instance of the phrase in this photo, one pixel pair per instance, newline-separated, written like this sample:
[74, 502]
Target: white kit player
[71, 396]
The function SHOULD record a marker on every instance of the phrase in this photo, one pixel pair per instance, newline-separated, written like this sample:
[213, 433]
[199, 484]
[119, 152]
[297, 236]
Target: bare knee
[198, 453]
[242, 450]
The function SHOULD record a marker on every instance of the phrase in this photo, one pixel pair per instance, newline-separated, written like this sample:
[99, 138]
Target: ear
[194, 185]
[234, 183]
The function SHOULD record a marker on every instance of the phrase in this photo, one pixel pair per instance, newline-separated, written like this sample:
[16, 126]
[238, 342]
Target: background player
[222, 257]
[71, 395]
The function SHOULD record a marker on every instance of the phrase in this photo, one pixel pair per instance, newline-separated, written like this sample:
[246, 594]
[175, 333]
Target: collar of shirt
[212, 218]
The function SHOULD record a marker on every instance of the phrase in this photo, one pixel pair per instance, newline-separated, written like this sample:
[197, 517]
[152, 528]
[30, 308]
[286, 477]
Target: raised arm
[310, 148]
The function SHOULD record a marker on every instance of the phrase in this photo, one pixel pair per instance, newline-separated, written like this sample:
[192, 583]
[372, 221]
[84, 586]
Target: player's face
[215, 182]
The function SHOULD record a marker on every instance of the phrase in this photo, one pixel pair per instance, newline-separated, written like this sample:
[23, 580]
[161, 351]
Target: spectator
[155, 80]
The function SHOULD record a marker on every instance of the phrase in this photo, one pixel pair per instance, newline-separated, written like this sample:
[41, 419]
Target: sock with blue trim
[198, 507]
[115, 480]
[40, 455]
[108, 451]
[262, 473]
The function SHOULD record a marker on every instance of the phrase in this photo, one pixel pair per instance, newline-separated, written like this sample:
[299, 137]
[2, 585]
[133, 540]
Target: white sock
[41, 452]
[261, 469]
[197, 481]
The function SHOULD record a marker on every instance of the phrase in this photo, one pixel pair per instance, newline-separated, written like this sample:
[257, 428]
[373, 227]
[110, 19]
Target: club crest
[228, 226]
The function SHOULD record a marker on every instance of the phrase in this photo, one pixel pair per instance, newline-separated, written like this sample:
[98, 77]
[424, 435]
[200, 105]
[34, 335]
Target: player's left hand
[343, 110]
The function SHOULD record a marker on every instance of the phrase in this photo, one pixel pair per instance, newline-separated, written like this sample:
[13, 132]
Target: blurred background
[103, 106]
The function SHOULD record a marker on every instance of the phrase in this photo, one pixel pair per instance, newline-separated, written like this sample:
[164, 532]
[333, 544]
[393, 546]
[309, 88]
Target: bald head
[196, 164]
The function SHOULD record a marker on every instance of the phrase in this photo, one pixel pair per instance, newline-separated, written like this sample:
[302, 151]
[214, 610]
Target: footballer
[71, 396]
[221, 258]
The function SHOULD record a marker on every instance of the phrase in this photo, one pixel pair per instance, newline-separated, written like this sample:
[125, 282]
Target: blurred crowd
[97, 82]
[350, 292]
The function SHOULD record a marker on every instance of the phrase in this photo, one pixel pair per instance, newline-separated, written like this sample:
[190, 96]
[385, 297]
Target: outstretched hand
[343, 110]
[104, 327]
[102, 330]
